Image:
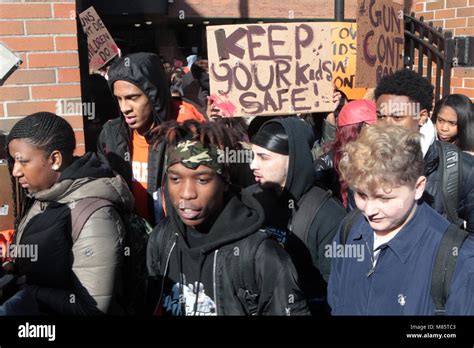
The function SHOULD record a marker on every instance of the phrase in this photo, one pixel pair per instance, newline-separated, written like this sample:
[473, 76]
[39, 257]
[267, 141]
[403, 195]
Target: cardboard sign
[101, 46]
[270, 69]
[6, 199]
[380, 40]
[344, 50]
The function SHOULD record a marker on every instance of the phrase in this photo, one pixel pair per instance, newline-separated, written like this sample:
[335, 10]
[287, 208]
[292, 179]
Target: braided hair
[47, 132]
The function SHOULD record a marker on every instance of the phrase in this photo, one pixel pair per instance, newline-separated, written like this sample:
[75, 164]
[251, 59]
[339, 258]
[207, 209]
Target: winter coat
[177, 268]
[400, 282]
[145, 71]
[433, 194]
[300, 179]
[81, 278]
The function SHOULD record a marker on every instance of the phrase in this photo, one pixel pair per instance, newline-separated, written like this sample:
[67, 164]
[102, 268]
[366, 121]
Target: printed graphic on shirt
[140, 172]
[279, 234]
[183, 304]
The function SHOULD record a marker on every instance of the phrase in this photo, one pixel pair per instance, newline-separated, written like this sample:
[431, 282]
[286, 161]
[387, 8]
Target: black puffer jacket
[170, 258]
[433, 194]
[146, 72]
[300, 180]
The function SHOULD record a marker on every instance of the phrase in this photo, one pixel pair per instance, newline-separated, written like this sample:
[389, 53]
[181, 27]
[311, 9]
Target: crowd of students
[183, 212]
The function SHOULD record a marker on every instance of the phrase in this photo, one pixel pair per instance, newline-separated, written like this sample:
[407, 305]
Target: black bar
[438, 79]
[339, 10]
[81, 6]
[448, 59]
[420, 48]
[429, 54]
[416, 39]
[289, 331]
[412, 43]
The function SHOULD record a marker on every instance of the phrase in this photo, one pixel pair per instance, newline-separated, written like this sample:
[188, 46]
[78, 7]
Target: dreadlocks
[47, 132]
[208, 133]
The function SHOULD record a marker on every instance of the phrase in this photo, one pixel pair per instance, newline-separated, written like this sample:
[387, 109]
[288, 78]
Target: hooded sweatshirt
[90, 268]
[145, 71]
[198, 262]
[195, 86]
[280, 207]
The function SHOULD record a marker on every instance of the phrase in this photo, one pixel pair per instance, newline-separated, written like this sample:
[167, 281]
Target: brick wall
[252, 9]
[261, 8]
[456, 16]
[43, 35]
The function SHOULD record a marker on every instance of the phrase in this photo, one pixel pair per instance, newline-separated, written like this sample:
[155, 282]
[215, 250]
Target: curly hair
[382, 156]
[408, 83]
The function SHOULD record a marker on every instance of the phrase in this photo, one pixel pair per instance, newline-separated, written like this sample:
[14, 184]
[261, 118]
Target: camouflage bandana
[192, 154]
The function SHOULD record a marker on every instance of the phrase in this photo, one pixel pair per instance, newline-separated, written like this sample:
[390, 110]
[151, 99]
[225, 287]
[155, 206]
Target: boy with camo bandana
[210, 255]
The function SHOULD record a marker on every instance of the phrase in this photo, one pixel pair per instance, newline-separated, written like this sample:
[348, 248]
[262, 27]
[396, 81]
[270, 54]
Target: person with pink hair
[352, 118]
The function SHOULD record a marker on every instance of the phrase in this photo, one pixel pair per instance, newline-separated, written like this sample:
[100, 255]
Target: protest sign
[101, 46]
[344, 50]
[380, 40]
[270, 69]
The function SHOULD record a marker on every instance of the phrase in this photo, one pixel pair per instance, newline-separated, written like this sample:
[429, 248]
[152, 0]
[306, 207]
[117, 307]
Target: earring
[55, 167]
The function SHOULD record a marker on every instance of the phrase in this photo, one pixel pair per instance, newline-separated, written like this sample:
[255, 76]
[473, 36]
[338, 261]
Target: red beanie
[357, 111]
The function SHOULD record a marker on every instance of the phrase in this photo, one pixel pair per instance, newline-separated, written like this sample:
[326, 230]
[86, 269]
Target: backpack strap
[450, 162]
[82, 211]
[444, 266]
[347, 224]
[243, 269]
[309, 206]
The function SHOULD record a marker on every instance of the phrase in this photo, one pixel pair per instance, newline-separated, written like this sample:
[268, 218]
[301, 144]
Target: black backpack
[244, 269]
[445, 261]
[309, 206]
[450, 164]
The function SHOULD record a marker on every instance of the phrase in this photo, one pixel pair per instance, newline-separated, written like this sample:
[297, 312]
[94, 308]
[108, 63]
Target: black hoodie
[207, 263]
[195, 86]
[145, 71]
[280, 207]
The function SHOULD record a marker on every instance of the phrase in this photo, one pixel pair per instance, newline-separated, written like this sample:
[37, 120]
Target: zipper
[214, 279]
[369, 275]
[372, 271]
[164, 274]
